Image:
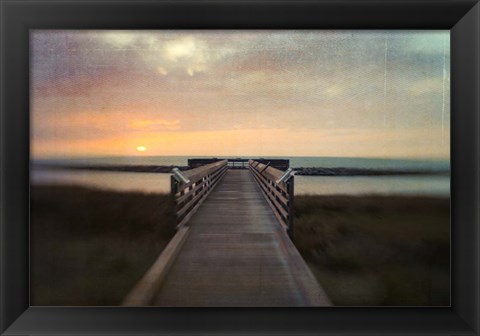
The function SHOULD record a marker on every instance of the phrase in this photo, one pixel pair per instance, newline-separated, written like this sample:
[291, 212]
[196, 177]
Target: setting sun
[141, 148]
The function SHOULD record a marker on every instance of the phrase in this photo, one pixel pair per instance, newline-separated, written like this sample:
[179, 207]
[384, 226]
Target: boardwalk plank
[237, 254]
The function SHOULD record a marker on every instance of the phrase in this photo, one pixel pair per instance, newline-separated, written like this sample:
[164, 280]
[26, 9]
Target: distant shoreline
[342, 171]
[300, 171]
[118, 168]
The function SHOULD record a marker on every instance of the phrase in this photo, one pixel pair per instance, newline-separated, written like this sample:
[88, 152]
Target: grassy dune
[375, 250]
[90, 247]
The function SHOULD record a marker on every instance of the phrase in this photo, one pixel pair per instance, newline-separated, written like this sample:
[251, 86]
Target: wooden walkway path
[237, 254]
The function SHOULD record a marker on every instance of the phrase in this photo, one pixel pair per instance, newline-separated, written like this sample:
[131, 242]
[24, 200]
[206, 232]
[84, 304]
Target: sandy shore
[89, 247]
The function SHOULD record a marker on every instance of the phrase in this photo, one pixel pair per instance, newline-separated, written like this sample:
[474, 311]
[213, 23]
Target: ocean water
[295, 161]
[436, 185]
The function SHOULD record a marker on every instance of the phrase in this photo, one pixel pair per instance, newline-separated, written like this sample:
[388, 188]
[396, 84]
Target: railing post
[189, 189]
[173, 191]
[173, 186]
[290, 190]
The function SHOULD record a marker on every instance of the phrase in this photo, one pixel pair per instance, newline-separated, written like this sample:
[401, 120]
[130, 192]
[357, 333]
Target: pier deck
[237, 254]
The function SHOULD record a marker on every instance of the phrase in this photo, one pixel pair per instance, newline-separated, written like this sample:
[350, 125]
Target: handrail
[278, 193]
[240, 163]
[190, 191]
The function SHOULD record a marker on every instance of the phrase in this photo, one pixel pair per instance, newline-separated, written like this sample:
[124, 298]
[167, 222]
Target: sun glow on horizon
[141, 148]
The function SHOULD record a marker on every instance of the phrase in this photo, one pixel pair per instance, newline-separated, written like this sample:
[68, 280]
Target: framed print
[229, 167]
[361, 118]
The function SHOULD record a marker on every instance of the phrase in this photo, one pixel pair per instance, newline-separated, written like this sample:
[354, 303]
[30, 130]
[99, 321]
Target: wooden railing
[279, 194]
[189, 193]
[240, 163]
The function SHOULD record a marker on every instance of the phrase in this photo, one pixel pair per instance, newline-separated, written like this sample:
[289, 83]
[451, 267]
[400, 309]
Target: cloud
[189, 53]
[119, 38]
[428, 43]
[193, 54]
[182, 48]
[156, 125]
[88, 125]
[427, 86]
[162, 71]
[334, 90]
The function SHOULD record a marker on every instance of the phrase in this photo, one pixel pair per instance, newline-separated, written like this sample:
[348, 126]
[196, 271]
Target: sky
[239, 93]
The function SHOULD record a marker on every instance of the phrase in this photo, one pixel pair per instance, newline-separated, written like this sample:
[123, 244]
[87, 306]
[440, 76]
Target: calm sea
[438, 185]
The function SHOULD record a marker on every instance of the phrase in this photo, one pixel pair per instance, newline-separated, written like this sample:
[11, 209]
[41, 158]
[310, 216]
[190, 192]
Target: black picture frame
[19, 16]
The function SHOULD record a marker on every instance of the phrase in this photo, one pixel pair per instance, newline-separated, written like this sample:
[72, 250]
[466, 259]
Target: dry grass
[89, 247]
[376, 250]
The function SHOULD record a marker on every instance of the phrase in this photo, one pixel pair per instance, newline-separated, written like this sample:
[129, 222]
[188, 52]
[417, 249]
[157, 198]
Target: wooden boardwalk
[237, 254]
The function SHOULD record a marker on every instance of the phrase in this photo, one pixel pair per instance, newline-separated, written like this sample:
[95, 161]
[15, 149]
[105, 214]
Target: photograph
[240, 168]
